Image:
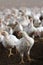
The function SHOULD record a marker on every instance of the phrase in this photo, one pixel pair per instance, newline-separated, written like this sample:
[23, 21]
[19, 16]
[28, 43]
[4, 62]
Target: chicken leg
[10, 52]
[29, 58]
[22, 61]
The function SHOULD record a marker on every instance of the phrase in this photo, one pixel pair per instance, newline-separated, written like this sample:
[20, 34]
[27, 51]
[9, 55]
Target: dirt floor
[20, 3]
[36, 53]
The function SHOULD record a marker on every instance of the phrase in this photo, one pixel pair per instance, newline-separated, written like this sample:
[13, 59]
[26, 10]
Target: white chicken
[6, 12]
[22, 44]
[9, 41]
[1, 37]
[24, 21]
[36, 20]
